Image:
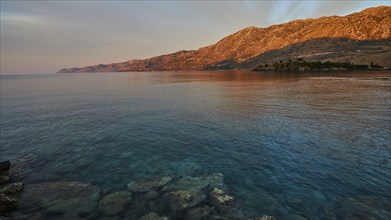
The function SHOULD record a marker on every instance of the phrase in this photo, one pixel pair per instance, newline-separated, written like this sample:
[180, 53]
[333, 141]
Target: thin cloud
[18, 19]
[284, 11]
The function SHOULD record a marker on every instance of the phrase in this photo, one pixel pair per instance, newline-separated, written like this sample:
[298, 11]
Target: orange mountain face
[244, 46]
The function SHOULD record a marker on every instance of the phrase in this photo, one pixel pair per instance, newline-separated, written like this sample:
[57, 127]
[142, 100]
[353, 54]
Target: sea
[289, 145]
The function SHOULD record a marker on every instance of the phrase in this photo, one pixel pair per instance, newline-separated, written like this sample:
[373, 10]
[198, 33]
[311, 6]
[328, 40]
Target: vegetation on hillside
[302, 65]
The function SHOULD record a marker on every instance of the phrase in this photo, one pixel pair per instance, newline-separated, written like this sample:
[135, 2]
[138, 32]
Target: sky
[45, 36]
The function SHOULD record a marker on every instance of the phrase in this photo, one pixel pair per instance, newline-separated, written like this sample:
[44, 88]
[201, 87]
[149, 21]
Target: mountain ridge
[250, 42]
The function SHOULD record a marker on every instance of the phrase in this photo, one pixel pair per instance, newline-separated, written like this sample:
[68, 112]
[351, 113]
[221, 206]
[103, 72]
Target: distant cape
[361, 38]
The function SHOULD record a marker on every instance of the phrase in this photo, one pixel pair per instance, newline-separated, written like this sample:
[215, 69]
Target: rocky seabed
[151, 198]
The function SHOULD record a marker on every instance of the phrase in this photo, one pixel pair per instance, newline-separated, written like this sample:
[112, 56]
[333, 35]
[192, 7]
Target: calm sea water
[289, 145]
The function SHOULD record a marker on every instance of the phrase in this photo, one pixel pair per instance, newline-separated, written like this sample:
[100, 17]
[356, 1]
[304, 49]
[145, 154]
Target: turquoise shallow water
[289, 145]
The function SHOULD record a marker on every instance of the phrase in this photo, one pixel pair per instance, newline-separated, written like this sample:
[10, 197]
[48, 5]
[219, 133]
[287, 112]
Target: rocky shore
[151, 198]
[8, 190]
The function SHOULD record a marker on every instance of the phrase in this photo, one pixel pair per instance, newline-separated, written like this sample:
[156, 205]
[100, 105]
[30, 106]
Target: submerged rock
[12, 188]
[22, 165]
[151, 194]
[148, 184]
[159, 205]
[198, 213]
[182, 199]
[63, 199]
[5, 166]
[4, 178]
[7, 203]
[114, 203]
[153, 216]
[224, 203]
[110, 218]
[4, 174]
[265, 217]
[137, 208]
[298, 217]
[196, 183]
[220, 197]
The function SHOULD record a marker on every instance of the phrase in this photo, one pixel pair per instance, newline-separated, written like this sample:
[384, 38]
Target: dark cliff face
[245, 45]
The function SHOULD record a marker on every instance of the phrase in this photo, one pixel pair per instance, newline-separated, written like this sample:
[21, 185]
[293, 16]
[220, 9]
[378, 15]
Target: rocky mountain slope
[247, 46]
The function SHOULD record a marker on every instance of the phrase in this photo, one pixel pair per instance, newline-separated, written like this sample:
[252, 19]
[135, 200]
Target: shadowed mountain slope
[324, 49]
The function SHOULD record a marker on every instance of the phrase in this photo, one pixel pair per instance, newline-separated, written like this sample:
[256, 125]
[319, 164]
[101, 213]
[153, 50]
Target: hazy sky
[45, 36]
